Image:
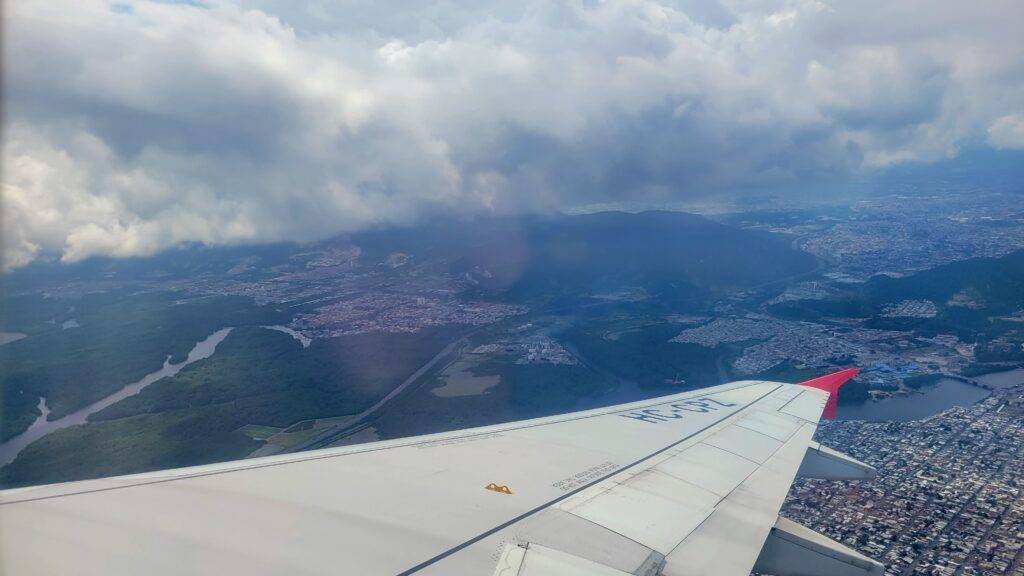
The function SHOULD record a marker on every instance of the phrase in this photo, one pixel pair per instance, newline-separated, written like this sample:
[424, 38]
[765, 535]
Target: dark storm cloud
[134, 126]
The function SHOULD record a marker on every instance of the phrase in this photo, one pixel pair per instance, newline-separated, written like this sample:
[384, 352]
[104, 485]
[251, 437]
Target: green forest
[257, 376]
[116, 339]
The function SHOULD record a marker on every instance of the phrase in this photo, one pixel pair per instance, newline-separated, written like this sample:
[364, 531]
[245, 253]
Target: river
[8, 337]
[1005, 379]
[41, 427]
[922, 403]
[302, 338]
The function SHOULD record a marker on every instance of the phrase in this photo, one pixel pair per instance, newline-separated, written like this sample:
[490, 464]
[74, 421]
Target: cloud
[134, 126]
[1007, 132]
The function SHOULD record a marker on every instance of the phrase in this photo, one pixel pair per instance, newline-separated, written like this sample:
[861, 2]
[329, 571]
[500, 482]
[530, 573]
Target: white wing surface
[686, 484]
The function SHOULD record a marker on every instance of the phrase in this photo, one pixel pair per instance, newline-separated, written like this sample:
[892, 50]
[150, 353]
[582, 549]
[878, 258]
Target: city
[949, 496]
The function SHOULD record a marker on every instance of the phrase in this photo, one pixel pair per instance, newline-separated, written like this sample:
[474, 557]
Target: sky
[134, 126]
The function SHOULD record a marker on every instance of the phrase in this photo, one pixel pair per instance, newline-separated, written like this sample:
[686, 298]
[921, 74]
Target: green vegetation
[274, 381]
[851, 392]
[536, 390]
[843, 307]
[982, 369]
[646, 356]
[964, 323]
[922, 380]
[970, 296]
[119, 339]
[33, 314]
[18, 412]
[130, 445]
[999, 352]
[786, 372]
[259, 380]
[257, 432]
[997, 284]
[530, 258]
[653, 250]
[523, 391]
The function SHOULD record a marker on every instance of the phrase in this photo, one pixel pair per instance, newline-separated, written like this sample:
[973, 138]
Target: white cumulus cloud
[132, 126]
[1007, 132]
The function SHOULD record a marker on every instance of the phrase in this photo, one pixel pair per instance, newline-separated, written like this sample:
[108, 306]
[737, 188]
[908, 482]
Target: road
[361, 420]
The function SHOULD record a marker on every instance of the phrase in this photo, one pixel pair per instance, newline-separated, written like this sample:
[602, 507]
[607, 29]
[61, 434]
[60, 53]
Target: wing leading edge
[687, 484]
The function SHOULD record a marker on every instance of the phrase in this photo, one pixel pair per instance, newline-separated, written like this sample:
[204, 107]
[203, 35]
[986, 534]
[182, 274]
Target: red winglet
[831, 384]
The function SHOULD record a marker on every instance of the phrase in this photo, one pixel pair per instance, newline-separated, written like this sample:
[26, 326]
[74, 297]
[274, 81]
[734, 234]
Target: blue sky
[131, 126]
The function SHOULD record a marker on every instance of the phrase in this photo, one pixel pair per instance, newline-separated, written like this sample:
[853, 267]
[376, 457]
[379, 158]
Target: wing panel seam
[737, 487]
[783, 407]
[567, 495]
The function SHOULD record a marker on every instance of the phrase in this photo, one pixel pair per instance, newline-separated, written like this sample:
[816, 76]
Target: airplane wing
[681, 485]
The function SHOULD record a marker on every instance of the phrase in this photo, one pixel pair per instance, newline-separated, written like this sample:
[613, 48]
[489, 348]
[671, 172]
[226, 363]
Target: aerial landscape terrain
[241, 231]
[208, 354]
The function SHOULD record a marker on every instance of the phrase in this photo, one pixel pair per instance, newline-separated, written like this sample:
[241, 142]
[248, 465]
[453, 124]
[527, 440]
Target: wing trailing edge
[824, 463]
[795, 550]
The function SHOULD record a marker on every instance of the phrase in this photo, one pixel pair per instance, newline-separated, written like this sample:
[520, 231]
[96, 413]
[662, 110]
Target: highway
[363, 419]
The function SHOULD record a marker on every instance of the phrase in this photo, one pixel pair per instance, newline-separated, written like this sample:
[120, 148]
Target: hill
[995, 285]
[666, 253]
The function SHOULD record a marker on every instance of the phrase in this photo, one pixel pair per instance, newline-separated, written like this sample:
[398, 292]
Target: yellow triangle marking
[498, 488]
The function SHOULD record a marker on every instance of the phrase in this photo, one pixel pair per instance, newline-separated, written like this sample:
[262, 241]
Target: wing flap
[652, 508]
[771, 424]
[795, 550]
[824, 463]
[730, 540]
[734, 479]
[709, 506]
[710, 468]
[531, 559]
[568, 533]
[745, 443]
